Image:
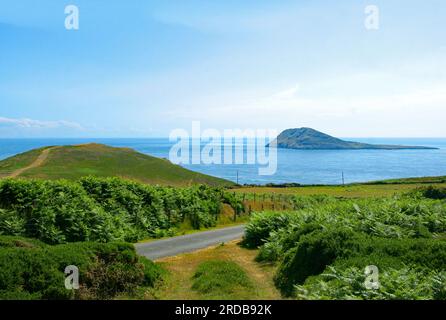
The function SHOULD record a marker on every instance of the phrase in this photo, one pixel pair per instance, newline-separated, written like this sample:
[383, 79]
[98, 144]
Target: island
[310, 139]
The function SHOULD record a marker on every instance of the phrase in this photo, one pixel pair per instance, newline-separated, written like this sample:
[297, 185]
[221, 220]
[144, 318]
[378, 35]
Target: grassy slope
[74, 162]
[19, 161]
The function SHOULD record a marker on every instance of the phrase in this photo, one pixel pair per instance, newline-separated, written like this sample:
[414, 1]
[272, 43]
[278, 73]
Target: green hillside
[74, 162]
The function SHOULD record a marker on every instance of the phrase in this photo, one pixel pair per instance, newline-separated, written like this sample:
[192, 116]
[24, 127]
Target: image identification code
[224, 309]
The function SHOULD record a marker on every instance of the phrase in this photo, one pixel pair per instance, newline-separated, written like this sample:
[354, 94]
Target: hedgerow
[104, 209]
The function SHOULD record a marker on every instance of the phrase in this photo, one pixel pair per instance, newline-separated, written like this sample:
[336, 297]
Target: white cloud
[288, 93]
[38, 124]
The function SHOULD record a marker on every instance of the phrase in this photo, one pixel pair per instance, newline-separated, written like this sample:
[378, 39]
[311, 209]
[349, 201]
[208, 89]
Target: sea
[293, 166]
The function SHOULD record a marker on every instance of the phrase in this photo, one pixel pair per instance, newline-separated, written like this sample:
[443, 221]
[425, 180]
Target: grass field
[378, 189]
[182, 269]
[74, 162]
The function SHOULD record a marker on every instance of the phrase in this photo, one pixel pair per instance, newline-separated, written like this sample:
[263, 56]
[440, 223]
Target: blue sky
[144, 68]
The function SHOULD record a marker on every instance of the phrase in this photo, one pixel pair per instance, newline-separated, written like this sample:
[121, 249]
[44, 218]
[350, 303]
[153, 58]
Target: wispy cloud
[39, 124]
[288, 93]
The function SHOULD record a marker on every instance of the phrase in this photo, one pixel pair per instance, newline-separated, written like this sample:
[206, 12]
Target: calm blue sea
[307, 167]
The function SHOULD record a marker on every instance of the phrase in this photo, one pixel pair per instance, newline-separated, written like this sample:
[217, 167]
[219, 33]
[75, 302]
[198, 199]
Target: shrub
[345, 249]
[313, 254]
[261, 225]
[401, 284]
[36, 271]
[153, 273]
[31, 272]
[13, 241]
[432, 192]
[283, 240]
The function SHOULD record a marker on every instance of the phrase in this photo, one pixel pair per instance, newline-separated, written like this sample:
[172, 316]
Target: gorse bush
[430, 192]
[103, 210]
[32, 270]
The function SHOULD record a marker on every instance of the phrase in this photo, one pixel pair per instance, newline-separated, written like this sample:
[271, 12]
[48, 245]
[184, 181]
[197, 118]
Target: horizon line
[166, 137]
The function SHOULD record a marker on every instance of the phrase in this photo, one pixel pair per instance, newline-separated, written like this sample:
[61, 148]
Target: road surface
[188, 243]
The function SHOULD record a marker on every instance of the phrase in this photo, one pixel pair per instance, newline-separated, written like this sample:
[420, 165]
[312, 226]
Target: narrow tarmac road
[188, 243]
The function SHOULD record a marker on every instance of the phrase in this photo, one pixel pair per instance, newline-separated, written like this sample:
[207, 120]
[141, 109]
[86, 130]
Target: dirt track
[37, 163]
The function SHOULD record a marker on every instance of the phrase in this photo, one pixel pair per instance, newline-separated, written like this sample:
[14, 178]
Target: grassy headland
[75, 162]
